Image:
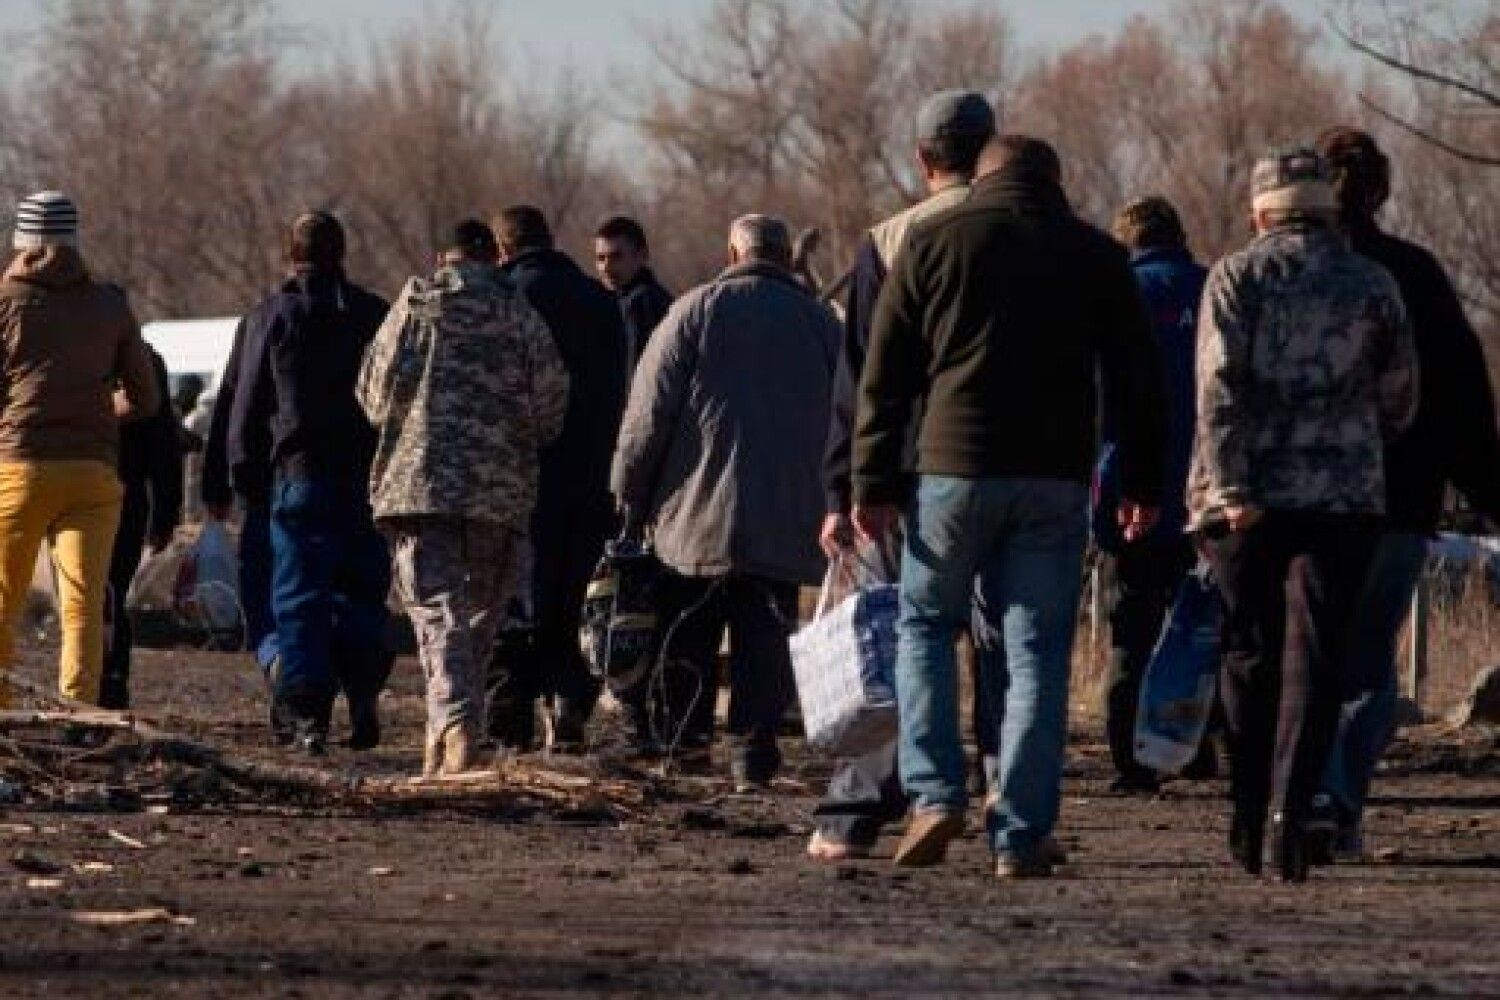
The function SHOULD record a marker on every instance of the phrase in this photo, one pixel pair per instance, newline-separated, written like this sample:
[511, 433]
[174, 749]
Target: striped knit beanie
[48, 218]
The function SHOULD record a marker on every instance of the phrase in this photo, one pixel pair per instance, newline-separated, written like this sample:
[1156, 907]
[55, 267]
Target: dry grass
[1463, 638]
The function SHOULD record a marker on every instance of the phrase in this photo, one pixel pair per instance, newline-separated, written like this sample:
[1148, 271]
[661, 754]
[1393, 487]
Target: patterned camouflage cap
[1293, 179]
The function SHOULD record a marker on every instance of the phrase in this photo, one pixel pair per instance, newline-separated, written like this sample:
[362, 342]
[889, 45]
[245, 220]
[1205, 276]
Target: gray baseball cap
[955, 112]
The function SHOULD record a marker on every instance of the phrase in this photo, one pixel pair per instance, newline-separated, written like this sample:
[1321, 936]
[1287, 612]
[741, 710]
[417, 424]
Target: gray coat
[722, 444]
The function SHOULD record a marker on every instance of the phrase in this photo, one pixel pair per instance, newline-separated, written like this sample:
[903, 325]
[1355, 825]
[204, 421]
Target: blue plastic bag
[1181, 682]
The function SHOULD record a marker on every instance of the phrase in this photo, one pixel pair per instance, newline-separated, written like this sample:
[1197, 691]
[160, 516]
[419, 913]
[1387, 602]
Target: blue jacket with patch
[1172, 284]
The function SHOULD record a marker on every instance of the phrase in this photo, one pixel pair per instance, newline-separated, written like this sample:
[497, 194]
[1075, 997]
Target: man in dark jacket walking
[1001, 315]
[1452, 440]
[295, 415]
[574, 514]
[623, 259]
[151, 473]
[721, 450]
[953, 126]
[1148, 571]
[250, 483]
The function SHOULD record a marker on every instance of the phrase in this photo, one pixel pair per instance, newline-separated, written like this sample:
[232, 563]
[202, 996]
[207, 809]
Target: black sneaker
[748, 780]
[1247, 838]
[1136, 783]
[283, 722]
[510, 723]
[311, 737]
[1204, 766]
[567, 731]
[1321, 829]
[114, 692]
[364, 722]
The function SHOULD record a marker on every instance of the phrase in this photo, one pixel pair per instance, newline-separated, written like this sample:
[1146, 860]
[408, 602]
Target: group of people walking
[1002, 377]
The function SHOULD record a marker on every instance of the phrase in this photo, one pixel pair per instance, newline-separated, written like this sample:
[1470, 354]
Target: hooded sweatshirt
[66, 344]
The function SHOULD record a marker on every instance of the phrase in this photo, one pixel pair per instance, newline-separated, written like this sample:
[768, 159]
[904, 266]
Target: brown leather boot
[928, 834]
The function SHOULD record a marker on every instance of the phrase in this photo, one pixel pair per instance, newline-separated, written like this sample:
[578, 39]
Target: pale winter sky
[595, 35]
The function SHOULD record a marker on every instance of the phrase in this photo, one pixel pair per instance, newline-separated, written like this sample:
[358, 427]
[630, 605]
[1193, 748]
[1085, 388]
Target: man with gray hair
[721, 449]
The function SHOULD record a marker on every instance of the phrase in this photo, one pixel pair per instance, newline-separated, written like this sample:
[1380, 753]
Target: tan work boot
[460, 751]
[432, 757]
[928, 834]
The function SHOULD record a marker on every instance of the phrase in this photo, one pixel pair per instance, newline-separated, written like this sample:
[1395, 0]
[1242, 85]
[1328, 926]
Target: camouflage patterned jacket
[1306, 366]
[465, 386]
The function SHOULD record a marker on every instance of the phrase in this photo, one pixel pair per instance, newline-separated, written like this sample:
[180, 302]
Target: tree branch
[1426, 136]
[1411, 69]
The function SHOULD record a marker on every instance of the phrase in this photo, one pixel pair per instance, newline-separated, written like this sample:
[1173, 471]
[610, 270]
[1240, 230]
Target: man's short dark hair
[956, 153]
[1150, 223]
[1022, 156]
[475, 240]
[315, 239]
[623, 227]
[1361, 170]
[523, 227]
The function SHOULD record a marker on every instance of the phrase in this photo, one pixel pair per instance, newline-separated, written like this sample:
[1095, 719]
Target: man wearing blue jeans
[294, 421]
[1453, 441]
[1001, 315]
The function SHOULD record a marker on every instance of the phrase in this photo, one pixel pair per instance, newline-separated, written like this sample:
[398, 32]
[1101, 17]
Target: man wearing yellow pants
[66, 344]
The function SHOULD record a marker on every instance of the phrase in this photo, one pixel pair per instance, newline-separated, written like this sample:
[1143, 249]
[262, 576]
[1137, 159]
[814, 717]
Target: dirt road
[711, 897]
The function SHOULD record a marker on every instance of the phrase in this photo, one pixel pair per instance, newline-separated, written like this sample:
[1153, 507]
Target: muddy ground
[710, 895]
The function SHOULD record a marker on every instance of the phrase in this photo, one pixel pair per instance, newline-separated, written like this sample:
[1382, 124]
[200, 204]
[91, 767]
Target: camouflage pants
[454, 577]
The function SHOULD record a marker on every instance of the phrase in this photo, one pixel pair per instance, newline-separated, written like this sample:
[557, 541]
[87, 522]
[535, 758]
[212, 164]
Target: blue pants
[1368, 717]
[256, 567]
[1015, 547]
[331, 579]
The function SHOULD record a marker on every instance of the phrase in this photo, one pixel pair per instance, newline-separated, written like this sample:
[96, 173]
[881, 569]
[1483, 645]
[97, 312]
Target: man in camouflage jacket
[465, 386]
[1306, 367]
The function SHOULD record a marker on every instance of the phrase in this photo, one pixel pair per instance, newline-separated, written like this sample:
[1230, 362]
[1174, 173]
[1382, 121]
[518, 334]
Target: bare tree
[1182, 106]
[140, 110]
[1451, 65]
[807, 110]
[1434, 87]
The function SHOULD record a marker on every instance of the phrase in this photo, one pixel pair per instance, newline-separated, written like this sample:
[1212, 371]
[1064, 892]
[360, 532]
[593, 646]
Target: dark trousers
[1290, 585]
[130, 541]
[760, 615]
[331, 581]
[1147, 575]
[547, 662]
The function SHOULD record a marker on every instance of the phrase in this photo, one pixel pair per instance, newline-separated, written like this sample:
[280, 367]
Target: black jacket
[217, 486]
[292, 410]
[867, 279]
[643, 302]
[1454, 438]
[585, 321]
[151, 464]
[1003, 312]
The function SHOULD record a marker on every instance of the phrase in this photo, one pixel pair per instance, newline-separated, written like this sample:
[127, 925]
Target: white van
[193, 347]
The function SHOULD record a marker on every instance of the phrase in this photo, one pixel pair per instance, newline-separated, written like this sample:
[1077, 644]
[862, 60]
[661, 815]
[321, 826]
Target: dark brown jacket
[1003, 313]
[65, 344]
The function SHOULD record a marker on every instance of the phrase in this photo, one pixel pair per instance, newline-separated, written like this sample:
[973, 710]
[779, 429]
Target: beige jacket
[66, 343]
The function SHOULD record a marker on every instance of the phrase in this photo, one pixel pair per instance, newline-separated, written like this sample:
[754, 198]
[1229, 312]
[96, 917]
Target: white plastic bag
[207, 594]
[844, 662]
